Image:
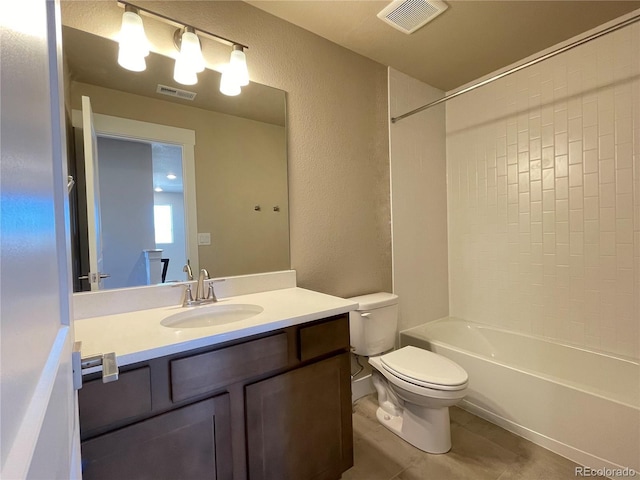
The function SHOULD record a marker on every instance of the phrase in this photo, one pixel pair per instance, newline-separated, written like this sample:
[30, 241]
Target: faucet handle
[187, 293]
[211, 295]
[187, 297]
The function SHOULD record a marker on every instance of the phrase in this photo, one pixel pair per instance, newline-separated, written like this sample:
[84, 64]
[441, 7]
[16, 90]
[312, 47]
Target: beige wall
[544, 198]
[419, 200]
[239, 163]
[337, 135]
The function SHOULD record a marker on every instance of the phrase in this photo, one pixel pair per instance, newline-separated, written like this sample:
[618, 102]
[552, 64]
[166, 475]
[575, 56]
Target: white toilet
[415, 387]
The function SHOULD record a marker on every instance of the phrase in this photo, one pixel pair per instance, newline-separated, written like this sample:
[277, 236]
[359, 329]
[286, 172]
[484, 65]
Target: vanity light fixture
[227, 85]
[134, 46]
[190, 60]
[235, 73]
[238, 66]
[171, 176]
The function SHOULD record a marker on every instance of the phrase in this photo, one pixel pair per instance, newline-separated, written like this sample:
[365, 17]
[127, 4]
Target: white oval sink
[211, 316]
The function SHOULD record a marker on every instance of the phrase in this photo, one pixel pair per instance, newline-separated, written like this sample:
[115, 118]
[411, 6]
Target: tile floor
[480, 451]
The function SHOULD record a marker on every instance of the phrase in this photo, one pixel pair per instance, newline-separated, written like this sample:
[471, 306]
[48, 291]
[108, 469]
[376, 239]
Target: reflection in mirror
[240, 163]
[141, 212]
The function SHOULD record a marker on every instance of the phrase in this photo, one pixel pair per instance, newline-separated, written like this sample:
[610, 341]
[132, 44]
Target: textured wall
[419, 202]
[544, 198]
[337, 135]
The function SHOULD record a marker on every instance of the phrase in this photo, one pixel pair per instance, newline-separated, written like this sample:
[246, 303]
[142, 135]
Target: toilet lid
[423, 367]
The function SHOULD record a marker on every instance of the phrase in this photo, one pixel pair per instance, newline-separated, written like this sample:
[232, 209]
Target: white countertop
[139, 336]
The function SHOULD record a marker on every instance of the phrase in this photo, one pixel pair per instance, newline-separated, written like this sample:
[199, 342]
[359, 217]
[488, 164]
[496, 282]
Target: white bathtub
[580, 404]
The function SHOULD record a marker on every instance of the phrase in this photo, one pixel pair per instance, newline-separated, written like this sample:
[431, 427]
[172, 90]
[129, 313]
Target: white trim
[118, 127]
[19, 458]
[107, 125]
[76, 455]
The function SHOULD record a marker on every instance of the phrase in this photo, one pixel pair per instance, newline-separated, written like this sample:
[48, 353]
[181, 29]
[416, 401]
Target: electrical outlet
[204, 239]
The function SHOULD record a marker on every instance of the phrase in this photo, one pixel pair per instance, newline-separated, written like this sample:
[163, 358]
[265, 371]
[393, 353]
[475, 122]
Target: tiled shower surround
[543, 172]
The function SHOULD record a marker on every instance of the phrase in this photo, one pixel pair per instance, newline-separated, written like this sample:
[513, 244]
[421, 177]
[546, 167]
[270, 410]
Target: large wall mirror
[220, 203]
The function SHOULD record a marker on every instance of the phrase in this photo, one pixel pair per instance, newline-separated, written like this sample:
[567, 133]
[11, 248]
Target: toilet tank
[374, 324]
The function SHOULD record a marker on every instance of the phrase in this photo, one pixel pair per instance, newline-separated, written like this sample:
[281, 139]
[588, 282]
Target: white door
[39, 429]
[90, 139]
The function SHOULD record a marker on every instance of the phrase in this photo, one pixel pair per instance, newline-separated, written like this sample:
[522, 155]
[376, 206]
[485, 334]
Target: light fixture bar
[179, 24]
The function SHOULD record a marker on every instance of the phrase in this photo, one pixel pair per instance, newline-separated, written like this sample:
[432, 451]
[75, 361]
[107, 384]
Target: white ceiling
[167, 159]
[469, 40]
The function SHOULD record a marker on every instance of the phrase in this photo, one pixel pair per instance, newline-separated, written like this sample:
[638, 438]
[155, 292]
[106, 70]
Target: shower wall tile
[543, 172]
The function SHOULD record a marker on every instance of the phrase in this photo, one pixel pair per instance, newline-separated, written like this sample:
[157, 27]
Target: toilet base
[425, 428]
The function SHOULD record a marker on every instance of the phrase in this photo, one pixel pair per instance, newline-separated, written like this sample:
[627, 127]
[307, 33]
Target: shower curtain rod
[575, 44]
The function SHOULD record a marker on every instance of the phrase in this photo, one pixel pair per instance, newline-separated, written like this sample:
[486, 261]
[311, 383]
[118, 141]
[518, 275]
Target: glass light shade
[238, 67]
[191, 52]
[189, 61]
[183, 73]
[134, 45]
[228, 85]
[131, 60]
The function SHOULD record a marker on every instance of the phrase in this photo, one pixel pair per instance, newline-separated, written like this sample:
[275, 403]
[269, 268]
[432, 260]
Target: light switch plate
[204, 239]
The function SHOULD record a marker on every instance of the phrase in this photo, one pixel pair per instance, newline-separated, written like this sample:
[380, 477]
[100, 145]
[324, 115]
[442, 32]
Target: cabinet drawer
[203, 373]
[101, 404]
[323, 338]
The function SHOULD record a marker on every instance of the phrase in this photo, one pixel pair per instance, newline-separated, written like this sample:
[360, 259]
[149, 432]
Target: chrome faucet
[204, 275]
[202, 298]
[187, 270]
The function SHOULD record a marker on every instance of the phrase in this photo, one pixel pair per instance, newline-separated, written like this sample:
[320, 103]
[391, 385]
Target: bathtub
[581, 404]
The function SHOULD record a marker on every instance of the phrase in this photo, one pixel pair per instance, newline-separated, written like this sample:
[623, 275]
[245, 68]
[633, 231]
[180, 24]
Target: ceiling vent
[409, 15]
[176, 92]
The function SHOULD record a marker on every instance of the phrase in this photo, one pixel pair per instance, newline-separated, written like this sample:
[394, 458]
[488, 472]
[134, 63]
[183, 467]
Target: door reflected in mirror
[142, 212]
[240, 163]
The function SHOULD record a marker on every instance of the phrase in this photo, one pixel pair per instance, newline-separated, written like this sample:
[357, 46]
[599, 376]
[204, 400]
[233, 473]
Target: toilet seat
[426, 369]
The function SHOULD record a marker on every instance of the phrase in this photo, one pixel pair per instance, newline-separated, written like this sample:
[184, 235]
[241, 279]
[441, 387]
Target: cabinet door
[299, 423]
[192, 442]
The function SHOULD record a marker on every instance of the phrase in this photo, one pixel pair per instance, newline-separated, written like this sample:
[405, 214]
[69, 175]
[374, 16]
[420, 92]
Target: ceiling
[469, 40]
[167, 160]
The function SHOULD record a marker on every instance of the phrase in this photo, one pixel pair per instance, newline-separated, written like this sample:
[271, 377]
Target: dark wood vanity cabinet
[273, 406]
[299, 423]
[192, 442]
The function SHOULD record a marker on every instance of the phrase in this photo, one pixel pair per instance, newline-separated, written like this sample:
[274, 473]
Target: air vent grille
[409, 15]
[175, 92]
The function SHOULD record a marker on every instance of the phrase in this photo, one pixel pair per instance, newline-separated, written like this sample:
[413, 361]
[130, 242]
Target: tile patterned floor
[480, 451]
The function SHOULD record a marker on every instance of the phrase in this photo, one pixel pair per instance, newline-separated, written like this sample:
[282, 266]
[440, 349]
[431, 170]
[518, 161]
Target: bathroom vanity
[272, 403]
